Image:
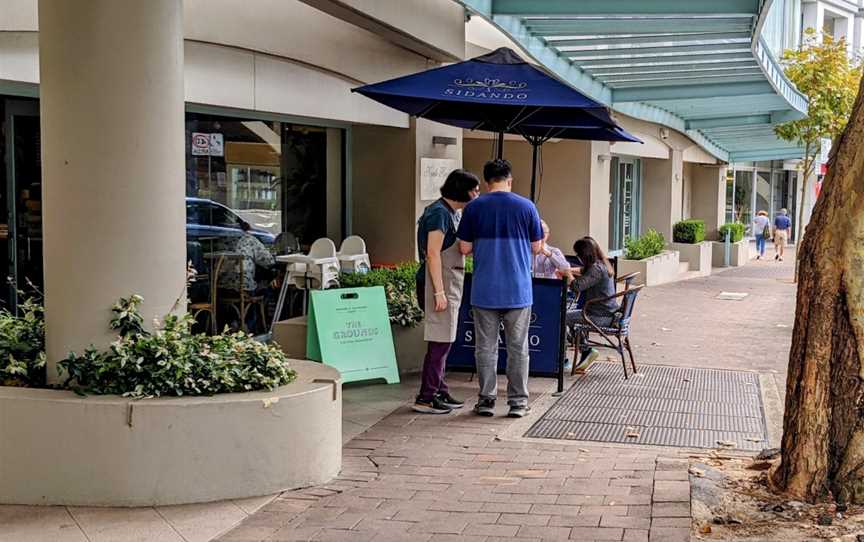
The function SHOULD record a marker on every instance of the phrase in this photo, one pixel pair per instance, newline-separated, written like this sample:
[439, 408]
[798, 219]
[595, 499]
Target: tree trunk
[823, 439]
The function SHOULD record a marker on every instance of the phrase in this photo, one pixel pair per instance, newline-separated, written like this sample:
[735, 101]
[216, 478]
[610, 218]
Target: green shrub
[400, 285]
[650, 244]
[169, 361]
[173, 361]
[22, 346]
[736, 228]
[689, 231]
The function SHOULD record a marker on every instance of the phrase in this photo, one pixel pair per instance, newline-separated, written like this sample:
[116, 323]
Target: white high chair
[317, 270]
[352, 255]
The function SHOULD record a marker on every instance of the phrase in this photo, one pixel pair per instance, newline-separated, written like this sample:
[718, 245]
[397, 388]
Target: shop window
[273, 175]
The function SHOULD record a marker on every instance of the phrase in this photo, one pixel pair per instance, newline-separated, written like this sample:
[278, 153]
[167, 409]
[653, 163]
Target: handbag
[766, 232]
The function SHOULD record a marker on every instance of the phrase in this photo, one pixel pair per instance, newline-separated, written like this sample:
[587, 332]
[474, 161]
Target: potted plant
[648, 256]
[739, 251]
[688, 238]
[405, 314]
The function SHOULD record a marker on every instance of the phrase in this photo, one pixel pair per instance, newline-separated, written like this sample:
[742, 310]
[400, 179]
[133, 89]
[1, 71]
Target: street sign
[208, 144]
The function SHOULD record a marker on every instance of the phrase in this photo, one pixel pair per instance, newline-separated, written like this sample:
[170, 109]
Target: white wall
[279, 56]
[434, 23]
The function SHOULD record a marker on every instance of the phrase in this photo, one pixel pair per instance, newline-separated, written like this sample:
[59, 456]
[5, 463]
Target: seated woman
[594, 280]
[234, 277]
[550, 262]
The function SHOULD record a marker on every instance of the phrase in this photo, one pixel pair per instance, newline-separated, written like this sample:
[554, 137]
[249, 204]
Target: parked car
[208, 219]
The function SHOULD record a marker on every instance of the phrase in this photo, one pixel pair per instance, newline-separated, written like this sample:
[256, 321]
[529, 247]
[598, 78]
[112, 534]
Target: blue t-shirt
[436, 217]
[782, 222]
[501, 226]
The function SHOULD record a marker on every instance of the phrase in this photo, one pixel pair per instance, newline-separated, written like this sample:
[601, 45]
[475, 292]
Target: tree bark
[823, 439]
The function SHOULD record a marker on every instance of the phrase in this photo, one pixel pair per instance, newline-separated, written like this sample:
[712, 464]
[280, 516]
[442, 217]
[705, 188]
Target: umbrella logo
[490, 84]
[494, 89]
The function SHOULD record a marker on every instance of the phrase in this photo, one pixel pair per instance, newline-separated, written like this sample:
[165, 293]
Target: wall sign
[545, 341]
[433, 173]
[208, 144]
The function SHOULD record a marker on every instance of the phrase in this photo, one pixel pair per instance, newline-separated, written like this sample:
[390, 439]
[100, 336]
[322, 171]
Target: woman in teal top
[439, 286]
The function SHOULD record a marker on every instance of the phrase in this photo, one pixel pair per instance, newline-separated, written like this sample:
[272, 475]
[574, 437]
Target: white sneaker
[589, 359]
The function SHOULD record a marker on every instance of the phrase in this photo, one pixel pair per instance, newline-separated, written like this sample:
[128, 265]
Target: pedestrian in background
[503, 231]
[439, 287]
[762, 231]
[782, 229]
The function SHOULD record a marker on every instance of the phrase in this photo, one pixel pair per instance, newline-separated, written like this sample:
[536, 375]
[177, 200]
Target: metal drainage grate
[664, 406]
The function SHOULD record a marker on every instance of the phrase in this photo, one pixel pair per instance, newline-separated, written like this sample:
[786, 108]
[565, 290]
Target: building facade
[249, 116]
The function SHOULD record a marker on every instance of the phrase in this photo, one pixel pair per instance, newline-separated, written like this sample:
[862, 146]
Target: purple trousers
[433, 370]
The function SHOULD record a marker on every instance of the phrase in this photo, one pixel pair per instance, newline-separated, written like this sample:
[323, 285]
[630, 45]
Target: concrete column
[709, 197]
[813, 14]
[387, 161]
[573, 193]
[112, 163]
[600, 195]
[661, 192]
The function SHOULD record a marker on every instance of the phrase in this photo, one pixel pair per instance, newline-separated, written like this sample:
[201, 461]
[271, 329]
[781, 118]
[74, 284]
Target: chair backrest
[628, 279]
[628, 301]
[322, 248]
[353, 245]
[287, 243]
[195, 254]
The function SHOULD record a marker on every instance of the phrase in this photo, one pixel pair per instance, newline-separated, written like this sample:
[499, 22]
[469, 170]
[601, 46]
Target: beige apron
[441, 326]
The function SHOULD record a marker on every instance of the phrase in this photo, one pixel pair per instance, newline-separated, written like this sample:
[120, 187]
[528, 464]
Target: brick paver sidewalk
[419, 477]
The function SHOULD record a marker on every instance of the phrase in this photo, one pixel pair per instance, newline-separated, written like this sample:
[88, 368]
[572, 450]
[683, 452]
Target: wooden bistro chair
[242, 301]
[209, 306]
[616, 335]
[628, 279]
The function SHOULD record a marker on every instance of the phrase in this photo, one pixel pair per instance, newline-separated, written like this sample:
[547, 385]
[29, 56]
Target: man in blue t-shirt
[503, 231]
[782, 229]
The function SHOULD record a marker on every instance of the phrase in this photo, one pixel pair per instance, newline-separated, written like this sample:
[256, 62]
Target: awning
[701, 67]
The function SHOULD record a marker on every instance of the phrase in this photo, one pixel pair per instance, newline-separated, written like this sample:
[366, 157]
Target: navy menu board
[545, 334]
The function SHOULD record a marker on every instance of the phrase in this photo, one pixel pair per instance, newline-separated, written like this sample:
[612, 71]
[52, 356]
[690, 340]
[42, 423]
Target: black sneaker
[518, 411]
[450, 401]
[435, 406]
[485, 407]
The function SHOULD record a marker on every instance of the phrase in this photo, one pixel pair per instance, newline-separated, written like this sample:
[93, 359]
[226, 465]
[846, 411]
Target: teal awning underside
[696, 66]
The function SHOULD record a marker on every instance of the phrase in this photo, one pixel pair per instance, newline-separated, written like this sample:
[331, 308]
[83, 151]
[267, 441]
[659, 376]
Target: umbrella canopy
[497, 92]
[500, 92]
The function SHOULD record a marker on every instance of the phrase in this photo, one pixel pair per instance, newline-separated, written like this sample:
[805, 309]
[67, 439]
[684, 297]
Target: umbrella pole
[534, 149]
[500, 145]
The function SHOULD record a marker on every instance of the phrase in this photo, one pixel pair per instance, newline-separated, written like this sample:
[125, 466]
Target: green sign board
[349, 329]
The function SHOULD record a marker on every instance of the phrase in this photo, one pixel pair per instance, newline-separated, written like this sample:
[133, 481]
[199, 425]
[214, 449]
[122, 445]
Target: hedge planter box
[739, 253]
[410, 348]
[698, 256]
[658, 269]
[58, 448]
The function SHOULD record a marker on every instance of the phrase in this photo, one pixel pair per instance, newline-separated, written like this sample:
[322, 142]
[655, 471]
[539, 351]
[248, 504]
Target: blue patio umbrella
[500, 92]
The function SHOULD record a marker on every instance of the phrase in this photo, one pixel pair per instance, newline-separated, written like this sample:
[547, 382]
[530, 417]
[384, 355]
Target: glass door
[22, 231]
[783, 195]
[743, 202]
[625, 207]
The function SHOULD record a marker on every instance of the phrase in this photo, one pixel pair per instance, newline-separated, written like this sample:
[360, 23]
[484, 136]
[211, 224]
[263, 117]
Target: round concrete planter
[59, 448]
